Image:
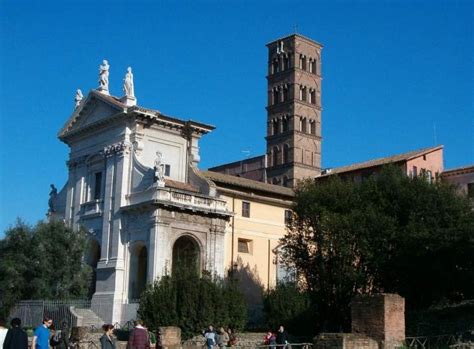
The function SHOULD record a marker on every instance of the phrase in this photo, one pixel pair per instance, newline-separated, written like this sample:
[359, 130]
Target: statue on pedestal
[104, 76]
[159, 169]
[128, 87]
[52, 197]
[78, 98]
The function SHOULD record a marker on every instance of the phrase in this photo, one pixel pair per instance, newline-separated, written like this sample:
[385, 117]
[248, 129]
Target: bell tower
[294, 110]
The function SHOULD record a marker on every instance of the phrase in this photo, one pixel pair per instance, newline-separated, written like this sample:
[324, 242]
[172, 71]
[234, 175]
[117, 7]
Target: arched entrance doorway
[138, 270]
[186, 256]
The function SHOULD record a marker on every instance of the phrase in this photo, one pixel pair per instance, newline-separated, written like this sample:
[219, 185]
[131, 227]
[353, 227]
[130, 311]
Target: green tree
[42, 262]
[389, 233]
[16, 266]
[289, 305]
[192, 303]
[59, 252]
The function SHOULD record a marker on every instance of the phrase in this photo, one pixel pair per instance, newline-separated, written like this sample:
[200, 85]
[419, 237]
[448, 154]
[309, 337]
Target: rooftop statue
[78, 98]
[159, 169]
[52, 197]
[104, 76]
[128, 87]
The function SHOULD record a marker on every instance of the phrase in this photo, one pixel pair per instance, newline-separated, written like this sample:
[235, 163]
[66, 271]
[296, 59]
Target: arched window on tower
[275, 66]
[277, 125]
[276, 95]
[286, 61]
[285, 123]
[275, 154]
[286, 181]
[286, 96]
[313, 67]
[312, 125]
[302, 62]
[312, 96]
[303, 125]
[286, 153]
[303, 92]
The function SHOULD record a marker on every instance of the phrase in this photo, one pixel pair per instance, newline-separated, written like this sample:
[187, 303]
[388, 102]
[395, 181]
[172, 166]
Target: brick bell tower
[294, 110]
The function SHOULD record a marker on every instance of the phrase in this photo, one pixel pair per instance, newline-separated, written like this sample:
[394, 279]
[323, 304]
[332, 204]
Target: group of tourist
[45, 337]
[222, 338]
[139, 337]
[276, 340]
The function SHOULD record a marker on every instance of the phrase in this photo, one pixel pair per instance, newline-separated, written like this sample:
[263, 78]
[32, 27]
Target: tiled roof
[180, 185]
[458, 170]
[247, 183]
[382, 161]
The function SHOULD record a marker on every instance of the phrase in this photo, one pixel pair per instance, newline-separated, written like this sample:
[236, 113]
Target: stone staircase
[86, 318]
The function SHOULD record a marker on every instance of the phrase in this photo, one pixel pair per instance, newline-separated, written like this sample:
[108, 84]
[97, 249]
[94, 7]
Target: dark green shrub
[192, 303]
[287, 305]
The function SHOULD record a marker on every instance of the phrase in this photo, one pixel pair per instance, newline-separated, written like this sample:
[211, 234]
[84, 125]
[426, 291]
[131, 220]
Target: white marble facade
[112, 192]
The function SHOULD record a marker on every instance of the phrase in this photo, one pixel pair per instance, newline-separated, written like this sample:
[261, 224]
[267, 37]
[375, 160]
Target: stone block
[170, 336]
[381, 317]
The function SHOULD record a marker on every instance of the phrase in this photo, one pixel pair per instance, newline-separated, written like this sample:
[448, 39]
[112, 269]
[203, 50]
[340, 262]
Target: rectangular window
[244, 246]
[429, 176]
[245, 209]
[415, 171]
[167, 170]
[98, 186]
[288, 216]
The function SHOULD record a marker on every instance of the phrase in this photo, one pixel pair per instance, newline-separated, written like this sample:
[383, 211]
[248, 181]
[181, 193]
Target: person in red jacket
[139, 337]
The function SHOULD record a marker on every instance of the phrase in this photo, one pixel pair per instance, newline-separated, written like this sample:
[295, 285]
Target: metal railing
[284, 346]
[434, 342]
[462, 346]
[31, 312]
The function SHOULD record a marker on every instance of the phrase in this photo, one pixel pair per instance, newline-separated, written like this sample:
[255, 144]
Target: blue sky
[398, 76]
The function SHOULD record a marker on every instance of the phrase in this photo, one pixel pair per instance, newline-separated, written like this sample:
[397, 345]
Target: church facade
[135, 187]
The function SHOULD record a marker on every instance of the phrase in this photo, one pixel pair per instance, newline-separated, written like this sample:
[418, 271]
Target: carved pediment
[94, 109]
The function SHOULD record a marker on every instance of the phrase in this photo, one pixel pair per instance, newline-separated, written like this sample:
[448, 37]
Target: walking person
[16, 338]
[232, 338]
[210, 336]
[222, 338]
[107, 341]
[281, 337]
[42, 334]
[139, 337]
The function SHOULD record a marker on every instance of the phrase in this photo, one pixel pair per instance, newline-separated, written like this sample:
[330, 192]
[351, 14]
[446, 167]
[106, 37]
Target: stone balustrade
[178, 198]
